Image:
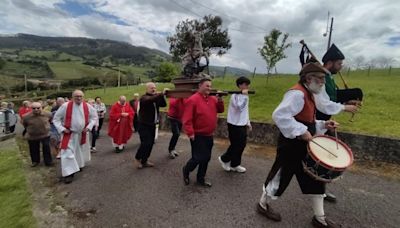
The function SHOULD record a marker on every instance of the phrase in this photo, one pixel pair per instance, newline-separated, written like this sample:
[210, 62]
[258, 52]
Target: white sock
[318, 207]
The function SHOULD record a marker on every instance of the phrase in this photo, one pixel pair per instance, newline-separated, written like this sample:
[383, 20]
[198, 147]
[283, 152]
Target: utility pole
[329, 29]
[26, 85]
[119, 77]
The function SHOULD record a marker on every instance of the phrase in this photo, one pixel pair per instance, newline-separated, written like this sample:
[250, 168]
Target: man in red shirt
[199, 122]
[175, 113]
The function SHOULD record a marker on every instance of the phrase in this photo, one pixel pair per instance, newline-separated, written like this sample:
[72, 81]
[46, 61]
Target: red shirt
[176, 108]
[23, 111]
[200, 115]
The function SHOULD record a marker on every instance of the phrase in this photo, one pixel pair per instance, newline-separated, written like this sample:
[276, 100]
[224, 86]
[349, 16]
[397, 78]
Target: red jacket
[200, 115]
[176, 108]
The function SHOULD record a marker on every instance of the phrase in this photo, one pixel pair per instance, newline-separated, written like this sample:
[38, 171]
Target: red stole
[67, 124]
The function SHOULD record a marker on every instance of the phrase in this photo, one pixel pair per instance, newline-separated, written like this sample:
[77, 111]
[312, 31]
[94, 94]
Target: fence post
[390, 70]
[348, 71]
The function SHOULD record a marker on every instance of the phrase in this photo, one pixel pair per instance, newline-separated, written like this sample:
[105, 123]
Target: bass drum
[327, 158]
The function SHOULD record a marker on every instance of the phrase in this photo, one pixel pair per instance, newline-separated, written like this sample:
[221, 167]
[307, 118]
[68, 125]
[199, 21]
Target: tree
[271, 51]
[359, 62]
[215, 38]
[166, 71]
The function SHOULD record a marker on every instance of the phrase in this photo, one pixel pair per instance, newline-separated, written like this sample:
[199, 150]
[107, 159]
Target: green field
[76, 70]
[15, 198]
[378, 116]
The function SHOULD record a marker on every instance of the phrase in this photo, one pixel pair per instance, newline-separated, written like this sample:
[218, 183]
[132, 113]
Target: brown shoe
[137, 164]
[269, 213]
[329, 223]
[148, 164]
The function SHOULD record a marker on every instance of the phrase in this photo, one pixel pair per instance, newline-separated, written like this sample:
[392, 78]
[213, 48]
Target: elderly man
[149, 110]
[295, 118]
[74, 120]
[37, 125]
[199, 122]
[120, 124]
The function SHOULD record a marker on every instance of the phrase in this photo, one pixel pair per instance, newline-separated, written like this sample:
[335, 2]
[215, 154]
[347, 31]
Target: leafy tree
[272, 51]
[166, 71]
[215, 38]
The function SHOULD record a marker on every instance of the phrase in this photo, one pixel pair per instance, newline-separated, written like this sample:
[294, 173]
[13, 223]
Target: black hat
[312, 67]
[333, 53]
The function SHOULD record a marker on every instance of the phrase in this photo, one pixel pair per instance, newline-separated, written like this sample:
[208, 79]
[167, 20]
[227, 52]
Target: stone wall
[363, 146]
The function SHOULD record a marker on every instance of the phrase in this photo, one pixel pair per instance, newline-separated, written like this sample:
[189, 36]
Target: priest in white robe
[74, 120]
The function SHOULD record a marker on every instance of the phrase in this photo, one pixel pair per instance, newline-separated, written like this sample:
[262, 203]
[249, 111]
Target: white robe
[76, 155]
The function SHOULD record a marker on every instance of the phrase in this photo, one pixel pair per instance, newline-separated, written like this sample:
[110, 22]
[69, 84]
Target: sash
[67, 124]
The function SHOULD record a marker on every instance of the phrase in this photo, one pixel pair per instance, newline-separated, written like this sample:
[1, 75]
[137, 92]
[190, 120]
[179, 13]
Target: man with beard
[295, 118]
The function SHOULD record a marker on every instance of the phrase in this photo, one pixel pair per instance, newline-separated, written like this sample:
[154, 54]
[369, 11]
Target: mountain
[219, 71]
[86, 48]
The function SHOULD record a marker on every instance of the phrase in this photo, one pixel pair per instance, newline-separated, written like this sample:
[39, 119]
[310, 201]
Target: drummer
[295, 118]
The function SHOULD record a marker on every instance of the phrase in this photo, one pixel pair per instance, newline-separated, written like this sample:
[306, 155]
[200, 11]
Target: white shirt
[283, 116]
[238, 110]
[78, 118]
[325, 105]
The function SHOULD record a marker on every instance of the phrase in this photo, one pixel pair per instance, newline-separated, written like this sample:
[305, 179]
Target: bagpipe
[347, 95]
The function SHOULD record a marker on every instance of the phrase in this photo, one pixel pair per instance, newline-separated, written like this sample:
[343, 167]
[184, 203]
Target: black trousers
[135, 122]
[147, 134]
[238, 140]
[201, 155]
[176, 127]
[34, 150]
[289, 156]
[101, 120]
[95, 135]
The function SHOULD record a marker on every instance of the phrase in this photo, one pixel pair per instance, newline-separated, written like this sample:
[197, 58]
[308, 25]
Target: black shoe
[68, 179]
[330, 198]
[269, 213]
[34, 164]
[204, 184]
[329, 224]
[185, 176]
[117, 150]
[49, 164]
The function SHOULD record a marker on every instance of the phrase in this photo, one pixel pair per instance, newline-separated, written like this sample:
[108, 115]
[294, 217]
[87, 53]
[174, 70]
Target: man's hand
[306, 136]
[351, 108]
[249, 127]
[66, 131]
[331, 125]
[165, 91]
[191, 137]
[245, 91]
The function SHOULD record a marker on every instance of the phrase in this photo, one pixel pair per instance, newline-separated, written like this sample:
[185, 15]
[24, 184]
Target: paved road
[110, 192]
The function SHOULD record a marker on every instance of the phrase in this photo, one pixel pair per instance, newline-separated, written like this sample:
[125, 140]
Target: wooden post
[224, 73]
[348, 71]
[254, 72]
[390, 70]
[26, 85]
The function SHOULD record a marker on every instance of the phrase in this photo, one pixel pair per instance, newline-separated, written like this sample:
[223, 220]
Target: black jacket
[150, 105]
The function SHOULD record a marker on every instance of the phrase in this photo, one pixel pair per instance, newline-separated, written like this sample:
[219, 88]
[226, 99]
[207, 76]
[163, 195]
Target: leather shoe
[269, 213]
[185, 176]
[329, 223]
[137, 164]
[68, 179]
[330, 198]
[148, 164]
[204, 184]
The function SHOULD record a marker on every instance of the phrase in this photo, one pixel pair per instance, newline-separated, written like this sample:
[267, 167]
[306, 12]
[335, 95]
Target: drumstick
[337, 145]
[324, 148]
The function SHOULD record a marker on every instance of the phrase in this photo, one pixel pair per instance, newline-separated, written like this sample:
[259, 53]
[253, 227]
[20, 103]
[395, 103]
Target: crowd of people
[69, 129]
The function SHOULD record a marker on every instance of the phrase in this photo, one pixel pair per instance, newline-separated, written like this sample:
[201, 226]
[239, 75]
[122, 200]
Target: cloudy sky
[361, 28]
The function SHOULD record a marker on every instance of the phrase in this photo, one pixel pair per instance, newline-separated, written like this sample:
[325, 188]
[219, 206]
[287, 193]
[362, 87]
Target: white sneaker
[174, 152]
[93, 150]
[239, 169]
[225, 165]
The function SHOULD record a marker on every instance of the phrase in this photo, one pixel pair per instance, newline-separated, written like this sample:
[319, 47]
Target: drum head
[341, 156]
